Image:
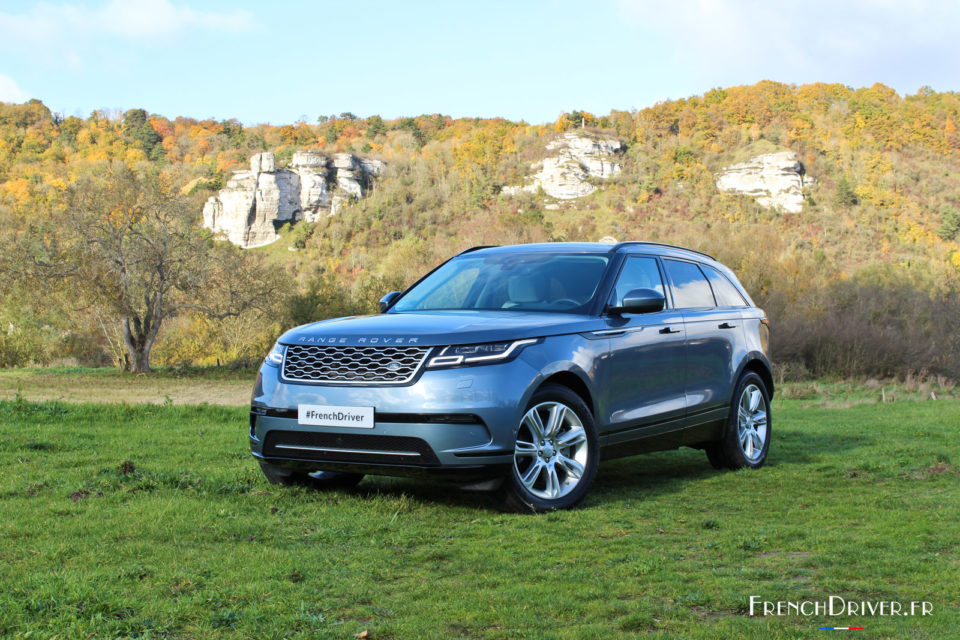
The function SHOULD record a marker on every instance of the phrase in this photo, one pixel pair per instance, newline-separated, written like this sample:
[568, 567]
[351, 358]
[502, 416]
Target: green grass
[153, 522]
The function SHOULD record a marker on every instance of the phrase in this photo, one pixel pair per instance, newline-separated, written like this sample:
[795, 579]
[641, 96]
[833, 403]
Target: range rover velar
[523, 367]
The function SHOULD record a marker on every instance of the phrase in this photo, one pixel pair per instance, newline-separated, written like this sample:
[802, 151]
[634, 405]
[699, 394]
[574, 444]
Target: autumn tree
[128, 241]
[574, 120]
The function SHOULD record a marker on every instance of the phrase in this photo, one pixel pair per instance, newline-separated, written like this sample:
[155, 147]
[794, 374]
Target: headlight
[275, 357]
[477, 353]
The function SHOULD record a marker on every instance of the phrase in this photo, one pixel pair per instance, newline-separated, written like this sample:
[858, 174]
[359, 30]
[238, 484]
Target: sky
[531, 60]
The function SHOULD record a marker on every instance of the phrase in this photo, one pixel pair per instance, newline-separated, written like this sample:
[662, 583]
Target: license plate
[331, 416]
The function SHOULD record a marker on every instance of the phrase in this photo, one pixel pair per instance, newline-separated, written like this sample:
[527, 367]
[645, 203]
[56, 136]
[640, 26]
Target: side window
[727, 294]
[690, 287]
[638, 273]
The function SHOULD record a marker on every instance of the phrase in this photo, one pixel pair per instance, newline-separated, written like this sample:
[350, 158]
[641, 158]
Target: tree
[138, 127]
[127, 241]
[844, 195]
[574, 120]
[949, 223]
[375, 126]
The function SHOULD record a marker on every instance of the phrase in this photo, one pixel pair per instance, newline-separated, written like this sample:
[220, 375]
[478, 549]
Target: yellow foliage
[57, 183]
[134, 156]
[97, 155]
[18, 189]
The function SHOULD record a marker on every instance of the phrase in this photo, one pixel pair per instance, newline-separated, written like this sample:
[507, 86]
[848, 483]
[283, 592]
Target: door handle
[727, 325]
[608, 333]
[669, 330]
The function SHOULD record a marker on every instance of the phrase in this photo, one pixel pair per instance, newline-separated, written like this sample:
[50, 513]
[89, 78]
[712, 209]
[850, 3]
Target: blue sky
[531, 60]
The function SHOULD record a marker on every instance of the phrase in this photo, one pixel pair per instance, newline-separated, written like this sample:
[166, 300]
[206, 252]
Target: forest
[864, 282]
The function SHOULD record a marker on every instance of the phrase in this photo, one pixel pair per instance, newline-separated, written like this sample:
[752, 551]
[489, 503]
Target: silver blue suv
[520, 368]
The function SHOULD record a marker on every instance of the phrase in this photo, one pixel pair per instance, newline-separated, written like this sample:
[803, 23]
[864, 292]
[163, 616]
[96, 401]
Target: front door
[643, 375]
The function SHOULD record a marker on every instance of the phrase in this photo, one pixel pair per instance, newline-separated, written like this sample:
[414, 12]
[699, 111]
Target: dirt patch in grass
[785, 554]
[110, 386]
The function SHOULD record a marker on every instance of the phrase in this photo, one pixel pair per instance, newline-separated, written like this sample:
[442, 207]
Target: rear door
[643, 374]
[713, 338]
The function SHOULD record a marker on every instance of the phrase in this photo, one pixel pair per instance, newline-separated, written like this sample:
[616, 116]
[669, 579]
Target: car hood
[435, 328]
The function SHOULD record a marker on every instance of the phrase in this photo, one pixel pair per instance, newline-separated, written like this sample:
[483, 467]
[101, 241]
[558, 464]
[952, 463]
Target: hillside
[871, 253]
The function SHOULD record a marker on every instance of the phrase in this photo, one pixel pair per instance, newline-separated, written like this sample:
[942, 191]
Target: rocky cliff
[776, 180]
[577, 156]
[254, 203]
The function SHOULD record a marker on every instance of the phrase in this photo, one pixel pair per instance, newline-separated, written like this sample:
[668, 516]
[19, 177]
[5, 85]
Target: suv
[522, 367]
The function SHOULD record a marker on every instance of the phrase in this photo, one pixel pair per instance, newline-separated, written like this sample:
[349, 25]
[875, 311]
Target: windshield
[558, 282]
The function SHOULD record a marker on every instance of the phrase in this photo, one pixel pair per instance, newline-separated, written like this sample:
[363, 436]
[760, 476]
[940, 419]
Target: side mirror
[388, 300]
[641, 301]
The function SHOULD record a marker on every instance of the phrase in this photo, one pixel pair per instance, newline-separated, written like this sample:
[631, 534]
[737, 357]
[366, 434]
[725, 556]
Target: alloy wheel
[551, 450]
[752, 417]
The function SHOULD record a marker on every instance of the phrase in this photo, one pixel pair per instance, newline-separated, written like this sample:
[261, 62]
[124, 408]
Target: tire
[746, 436]
[317, 479]
[555, 441]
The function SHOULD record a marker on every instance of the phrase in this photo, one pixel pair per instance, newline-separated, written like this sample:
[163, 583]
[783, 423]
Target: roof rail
[621, 245]
[477, 248]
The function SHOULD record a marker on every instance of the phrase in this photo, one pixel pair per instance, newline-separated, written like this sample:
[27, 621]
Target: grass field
[152, 521]
[212, 385]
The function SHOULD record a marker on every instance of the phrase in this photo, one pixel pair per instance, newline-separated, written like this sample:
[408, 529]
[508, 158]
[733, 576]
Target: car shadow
[441, 492]
[671, 471]
[633, 477]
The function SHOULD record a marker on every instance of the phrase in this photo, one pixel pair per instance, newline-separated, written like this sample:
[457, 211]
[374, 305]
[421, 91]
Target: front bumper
[458, 423]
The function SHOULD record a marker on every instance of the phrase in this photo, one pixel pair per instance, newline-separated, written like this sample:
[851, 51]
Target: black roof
[583, 247]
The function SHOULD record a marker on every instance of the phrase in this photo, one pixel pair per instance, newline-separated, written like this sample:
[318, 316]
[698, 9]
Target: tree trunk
[138, 337]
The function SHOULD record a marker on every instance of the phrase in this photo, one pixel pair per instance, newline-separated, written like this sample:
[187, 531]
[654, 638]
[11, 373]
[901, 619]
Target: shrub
[949, 223]
[845, 195]
[867, 329]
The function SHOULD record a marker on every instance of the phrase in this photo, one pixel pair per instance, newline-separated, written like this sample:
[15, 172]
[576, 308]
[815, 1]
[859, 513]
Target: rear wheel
[746, 438]
[555, 453]
[317, 479]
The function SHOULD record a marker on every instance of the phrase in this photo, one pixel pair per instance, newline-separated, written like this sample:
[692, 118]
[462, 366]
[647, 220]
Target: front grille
[352, 365]
[348, 447]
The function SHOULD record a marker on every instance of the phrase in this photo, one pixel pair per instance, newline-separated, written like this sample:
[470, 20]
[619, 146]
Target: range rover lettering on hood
[367, 340]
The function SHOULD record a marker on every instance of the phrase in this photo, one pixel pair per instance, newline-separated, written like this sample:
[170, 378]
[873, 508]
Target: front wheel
[746, 438]
[555, 453]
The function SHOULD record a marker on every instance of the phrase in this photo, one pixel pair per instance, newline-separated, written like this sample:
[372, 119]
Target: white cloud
[10, 92]
[856, 41]
[54, 23]
[152, 18]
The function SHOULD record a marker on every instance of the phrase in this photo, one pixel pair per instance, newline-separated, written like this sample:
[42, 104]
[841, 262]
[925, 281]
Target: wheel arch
[758, 364]
[572, 381]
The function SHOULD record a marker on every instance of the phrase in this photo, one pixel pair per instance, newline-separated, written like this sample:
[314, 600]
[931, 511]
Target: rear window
[688, 284]
[727, 294]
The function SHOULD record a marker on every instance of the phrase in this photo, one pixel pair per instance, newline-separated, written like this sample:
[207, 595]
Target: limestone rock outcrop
[348, 174]
[776, 180]
[578, 156]
[254, 203]
[313, 169]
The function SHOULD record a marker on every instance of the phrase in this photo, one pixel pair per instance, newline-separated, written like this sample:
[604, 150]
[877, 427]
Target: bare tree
[129, 241]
